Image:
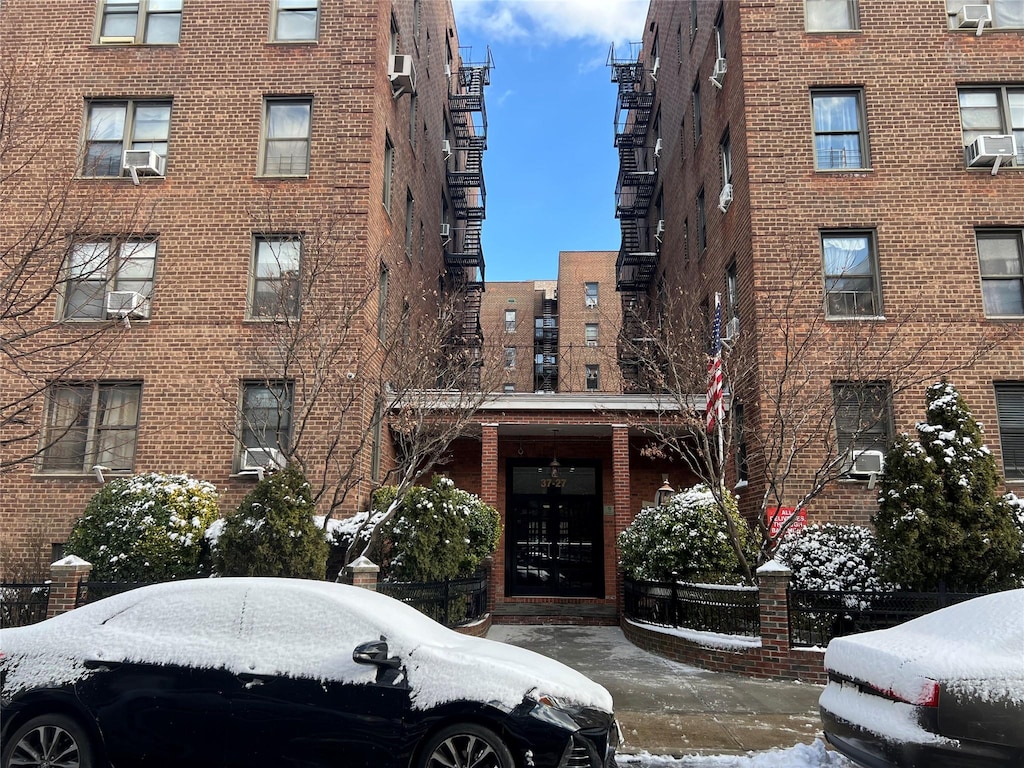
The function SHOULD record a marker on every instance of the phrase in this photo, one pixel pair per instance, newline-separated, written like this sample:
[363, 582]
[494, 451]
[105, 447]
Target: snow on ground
[801, 756]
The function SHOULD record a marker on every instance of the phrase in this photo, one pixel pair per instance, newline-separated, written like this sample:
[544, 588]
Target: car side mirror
[375, 652]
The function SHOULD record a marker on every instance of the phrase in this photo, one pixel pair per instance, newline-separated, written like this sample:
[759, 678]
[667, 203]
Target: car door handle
[249, 680]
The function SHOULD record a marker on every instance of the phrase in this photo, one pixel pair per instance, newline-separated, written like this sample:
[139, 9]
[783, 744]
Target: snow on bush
[146, 527]
[831, 557]
[684, 538]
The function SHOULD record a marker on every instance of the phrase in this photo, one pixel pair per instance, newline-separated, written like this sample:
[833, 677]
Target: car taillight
[928, 696]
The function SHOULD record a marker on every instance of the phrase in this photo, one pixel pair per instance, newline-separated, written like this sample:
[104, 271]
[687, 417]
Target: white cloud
[546, 21]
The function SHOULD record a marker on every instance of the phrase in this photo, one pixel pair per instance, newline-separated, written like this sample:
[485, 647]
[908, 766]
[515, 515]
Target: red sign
[777, 517]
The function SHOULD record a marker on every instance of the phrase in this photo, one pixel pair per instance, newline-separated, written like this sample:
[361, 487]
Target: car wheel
[466, 746]
[48, 741]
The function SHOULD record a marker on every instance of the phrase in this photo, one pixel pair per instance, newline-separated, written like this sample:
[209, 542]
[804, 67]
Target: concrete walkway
[668, 708]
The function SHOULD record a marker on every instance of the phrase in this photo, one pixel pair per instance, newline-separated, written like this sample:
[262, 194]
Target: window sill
[90, 475]
[1006, 319]
[834, 32]
[267, 177]
[79, 177]
[855, 318]
[135, 45]
[852, 170]
[293, 42]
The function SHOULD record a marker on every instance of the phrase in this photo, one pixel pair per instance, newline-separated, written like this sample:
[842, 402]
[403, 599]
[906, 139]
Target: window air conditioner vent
[657, 149]
[127, 304]
[725, 198]
[262, 458]
[974, 17]
[117, 40]
[145, 162]
[864, 463]
[446, 148]
[659, 230]
[990, 150]
[732, 329]
[446, 231]
[591, 301]
[718, 73]
[402, 74]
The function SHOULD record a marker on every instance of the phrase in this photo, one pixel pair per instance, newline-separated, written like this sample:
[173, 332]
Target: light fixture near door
[554, 465]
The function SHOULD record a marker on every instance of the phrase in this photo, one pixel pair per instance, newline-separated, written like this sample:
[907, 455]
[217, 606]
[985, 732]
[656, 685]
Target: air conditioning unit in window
[261, 459]
[864, 464]
[122, 304]
[990, 150]
[732, 329]
[402, 74]
[718, 73]
[655, 68]
[657, 149]
[446, 231]
[974, 16]
[117, 40]
[145, 162]
[659, 230]
[725, 198]
[446, 148]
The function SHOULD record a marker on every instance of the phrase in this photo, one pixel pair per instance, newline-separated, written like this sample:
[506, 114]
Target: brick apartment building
[847, 175]
[210, 169]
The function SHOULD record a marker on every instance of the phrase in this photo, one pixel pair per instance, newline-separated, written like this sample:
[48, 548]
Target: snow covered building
[848, 176]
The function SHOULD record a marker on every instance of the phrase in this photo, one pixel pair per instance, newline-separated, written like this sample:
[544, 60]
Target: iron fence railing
[91, 591]
[453, 602]
[23, 603]
[730, 610]
[816, 616]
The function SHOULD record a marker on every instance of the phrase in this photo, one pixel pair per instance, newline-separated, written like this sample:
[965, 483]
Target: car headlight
[548, 700]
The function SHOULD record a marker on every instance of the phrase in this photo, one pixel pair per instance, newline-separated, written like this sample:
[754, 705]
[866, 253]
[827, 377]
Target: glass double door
[554, 533]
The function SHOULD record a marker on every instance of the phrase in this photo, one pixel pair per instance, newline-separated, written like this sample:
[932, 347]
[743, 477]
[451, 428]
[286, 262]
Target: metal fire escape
[637, 261]
[545, 347]
[463, 253]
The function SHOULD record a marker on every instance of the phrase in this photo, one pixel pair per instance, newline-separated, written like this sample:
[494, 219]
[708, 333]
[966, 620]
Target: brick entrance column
[489, 495]
[621, 517]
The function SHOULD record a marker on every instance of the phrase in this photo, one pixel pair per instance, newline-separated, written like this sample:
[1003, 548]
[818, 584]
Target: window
[508, 387]
[417, 13]
[286, 130]
[410, 222]
[1005, 13]
[266, 415]
[590, 294]
[993, 111]
[740, 441]
[294, 20]
[510, 321]
[91, 424]
[377, 441]
[732, 293]
[697, 123]
[679, 44]
[148, 21]
[702, 223]
[114, 126]
[276, 284]
[510, 357]
[99, 267]
[1000, 256]
[591, 334]
[1010, 413]
[839, 138]
[382, 302]
[593, 377]
[863, 420]
[413, 125]
[720, 33]
[725, 153]
[693, 19]
[851, 275]
[831, 15]
[389, 167]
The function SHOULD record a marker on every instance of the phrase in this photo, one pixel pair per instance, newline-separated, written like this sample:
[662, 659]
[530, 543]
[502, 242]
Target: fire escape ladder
[545, 367]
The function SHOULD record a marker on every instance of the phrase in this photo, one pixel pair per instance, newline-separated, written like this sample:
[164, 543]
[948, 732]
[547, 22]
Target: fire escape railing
[463, 252]
[545, 348]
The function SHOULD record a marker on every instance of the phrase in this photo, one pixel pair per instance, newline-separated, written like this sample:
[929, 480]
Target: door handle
[250, 680]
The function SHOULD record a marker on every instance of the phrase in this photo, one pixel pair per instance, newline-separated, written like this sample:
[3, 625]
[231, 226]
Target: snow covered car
[283, 672]
[945, 689]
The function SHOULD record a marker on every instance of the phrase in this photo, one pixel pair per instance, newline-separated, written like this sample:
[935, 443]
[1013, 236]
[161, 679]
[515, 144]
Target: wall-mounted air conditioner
[991, 150]
[262, 459]
[659, 230]
[718, 73]
[732, 329]
[864, 464]
[590, 302]
[446, 231]
[655, 68]
[725, 198]
[145, 162]
[446, 148]
[974, 17]
[124, 304]
[402, 74]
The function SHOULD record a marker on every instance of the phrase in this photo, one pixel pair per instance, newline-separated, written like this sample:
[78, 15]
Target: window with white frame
[266, 421]
[831, 15]
[863, 415]
[286, 137]
[720, 33]
[988, 111]
[852, 288]
[590, 294]
[725, 155]
[153, 22]
[840, 140]
[97, 268]
[295, 20]
[1005, 14]
[590, 334]
[593, 377]
[115, 126]
[1001, 262]
[276, 276]
[510, 321]
[1010, 414]
[510, 357]
[91, 424]
[508, 387]
[732, 293]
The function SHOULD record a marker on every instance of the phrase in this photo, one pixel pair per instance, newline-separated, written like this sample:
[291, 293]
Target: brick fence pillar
[489, 495]
[621, 514]
[362, 572]
[773, 583]
[65, 576]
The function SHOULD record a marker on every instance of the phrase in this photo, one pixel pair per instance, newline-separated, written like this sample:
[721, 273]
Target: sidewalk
[668, 708]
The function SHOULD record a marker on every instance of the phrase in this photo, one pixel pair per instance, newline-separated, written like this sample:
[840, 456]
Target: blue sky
[550, 165]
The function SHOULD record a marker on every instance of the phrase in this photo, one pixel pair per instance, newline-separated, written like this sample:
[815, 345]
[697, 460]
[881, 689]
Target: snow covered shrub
[684, 538]
[145, 528]
[940, 519]
[272, 533]
[440, 532]
[831, 557]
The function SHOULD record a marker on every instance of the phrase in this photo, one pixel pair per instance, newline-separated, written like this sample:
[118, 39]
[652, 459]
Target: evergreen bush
[940, 520]
[147, 527]
[832, 557]
[272, 533]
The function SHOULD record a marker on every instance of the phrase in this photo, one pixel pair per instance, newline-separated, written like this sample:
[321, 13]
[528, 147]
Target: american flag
[714, 410]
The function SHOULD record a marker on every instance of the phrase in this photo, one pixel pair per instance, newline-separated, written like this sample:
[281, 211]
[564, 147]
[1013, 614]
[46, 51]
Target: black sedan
[279, 672]
[945, 690]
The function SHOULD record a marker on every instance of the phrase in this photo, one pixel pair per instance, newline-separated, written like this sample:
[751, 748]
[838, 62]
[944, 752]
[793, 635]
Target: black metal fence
[453, 603]
[91, 591]
[730, 610]
[23, 603]
[816, 616]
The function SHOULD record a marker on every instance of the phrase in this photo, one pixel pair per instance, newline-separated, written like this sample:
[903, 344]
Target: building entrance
[554, 530]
